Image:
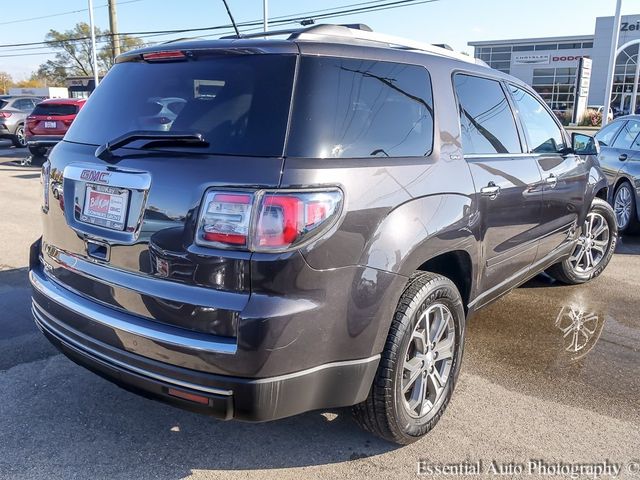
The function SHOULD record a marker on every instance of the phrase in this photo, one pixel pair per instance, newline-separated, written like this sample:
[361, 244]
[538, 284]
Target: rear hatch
[51, 118]
[120, 229]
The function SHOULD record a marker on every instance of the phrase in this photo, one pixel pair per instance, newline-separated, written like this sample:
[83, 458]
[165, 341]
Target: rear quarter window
[348, 108]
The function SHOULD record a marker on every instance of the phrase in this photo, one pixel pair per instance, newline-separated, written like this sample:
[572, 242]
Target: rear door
[564, 174]
[507, 182]
[610, 157]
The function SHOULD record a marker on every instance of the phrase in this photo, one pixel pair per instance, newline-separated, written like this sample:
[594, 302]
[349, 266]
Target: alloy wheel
[592, 244]
[428, 360]
[20, 136]
[622, 206]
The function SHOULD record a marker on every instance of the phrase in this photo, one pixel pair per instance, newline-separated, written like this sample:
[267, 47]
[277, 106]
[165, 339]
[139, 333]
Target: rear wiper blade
[105, 151]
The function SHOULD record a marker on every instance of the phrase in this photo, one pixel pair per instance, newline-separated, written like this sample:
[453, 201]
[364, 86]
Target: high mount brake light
[164, 56]
[266, 221]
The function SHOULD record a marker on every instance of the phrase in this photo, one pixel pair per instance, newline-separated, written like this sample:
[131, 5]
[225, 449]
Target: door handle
[491, 190]
[623, 157]
[551, 181]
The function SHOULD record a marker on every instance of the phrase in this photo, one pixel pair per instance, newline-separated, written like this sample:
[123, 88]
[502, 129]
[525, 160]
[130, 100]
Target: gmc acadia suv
[311, 227]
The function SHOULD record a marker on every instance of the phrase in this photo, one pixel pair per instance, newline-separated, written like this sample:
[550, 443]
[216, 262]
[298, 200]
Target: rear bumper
[43, 140]
[57, 310]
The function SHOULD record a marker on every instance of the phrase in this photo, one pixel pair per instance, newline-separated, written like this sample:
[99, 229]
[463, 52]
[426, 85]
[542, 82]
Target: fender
[421, 229]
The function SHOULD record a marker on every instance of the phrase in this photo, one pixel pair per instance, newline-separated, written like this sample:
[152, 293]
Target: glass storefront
[625, 82]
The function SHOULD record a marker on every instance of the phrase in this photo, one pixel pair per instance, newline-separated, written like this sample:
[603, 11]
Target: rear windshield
[240, 103]
[53, 109]
[3, 103]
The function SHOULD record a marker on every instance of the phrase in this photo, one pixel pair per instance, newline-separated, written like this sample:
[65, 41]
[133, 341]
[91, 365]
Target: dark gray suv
[311, 227]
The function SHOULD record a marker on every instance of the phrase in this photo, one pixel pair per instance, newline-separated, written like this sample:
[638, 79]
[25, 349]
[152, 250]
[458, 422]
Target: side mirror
[584, 144]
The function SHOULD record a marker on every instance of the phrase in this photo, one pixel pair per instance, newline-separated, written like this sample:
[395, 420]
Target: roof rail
[326, 32]
[291, 31]
[359, 31]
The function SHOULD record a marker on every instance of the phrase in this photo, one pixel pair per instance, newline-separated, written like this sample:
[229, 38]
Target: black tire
[18, 139]
[385, 412]
[632, 225]
[569, 271]
[38, 151]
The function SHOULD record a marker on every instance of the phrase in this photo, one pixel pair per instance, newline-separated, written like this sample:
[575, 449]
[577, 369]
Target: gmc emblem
[95, 176]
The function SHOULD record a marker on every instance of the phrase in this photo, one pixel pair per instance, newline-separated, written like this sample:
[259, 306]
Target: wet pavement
[550, 372]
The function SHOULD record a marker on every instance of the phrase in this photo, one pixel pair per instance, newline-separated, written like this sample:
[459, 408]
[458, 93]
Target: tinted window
[240, 103]
[361, 108]
[23, 104]
[627, 135]
[53, 109]
[543, 132]
[486, 120]
[3, 103]
[607, 134]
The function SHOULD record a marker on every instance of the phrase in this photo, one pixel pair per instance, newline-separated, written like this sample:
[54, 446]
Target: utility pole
[94, 55]
[113, 26]
[612, 63]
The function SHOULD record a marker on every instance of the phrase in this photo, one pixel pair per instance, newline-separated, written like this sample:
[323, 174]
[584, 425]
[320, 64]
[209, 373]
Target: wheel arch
[457, 266]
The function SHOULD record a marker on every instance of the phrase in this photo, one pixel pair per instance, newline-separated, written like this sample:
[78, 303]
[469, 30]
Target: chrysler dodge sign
[531, 59]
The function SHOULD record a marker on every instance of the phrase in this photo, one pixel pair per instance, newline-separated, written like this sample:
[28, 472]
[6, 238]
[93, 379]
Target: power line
[281, 20]
[70, 12]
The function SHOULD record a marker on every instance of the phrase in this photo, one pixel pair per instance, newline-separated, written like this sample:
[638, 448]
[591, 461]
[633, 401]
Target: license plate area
[105, 202]
[49, 124]
[105, 206]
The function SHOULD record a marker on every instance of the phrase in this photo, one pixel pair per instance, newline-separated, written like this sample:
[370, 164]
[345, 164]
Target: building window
[587, 44]
[523, 48]
[624, 81]
[496, 57]
[552, 46]
[556, 86]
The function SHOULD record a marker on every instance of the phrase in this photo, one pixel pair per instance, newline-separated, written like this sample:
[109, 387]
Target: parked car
[315, 228]
[13, 112]
[620, 161]
[600, 109]
[49, 121]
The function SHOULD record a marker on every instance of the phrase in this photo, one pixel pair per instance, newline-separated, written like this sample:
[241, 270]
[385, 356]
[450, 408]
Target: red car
[49, 121]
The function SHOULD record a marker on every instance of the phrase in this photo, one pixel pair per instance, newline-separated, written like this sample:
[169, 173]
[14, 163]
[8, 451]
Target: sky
[454, 22]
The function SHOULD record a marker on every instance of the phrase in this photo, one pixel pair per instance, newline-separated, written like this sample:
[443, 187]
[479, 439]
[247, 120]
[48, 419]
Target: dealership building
[550, 64]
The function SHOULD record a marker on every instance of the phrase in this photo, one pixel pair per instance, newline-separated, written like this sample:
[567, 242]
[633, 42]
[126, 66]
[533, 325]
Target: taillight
[68, 122]
[5, 114]
[266, 221]
[225, 218]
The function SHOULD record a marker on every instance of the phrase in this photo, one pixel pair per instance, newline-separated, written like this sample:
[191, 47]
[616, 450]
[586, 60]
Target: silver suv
[13, 113]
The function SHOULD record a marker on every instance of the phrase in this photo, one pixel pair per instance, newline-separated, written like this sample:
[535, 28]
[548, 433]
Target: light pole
[94, 55]
[265, 15]
[612, 63]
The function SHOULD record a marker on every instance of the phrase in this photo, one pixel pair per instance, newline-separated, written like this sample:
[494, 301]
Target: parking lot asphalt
[550, 373]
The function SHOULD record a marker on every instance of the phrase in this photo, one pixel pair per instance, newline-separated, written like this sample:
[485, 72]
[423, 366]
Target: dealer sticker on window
[105, 206]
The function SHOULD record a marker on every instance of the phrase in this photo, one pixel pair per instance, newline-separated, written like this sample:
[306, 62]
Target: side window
[24, 104]
[486, 120]
[607, 134]
[347, 108]
[627, 135]
[545, 136]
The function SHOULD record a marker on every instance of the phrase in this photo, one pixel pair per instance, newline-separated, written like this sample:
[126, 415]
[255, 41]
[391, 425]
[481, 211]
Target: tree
[5, 82]
[73, 53]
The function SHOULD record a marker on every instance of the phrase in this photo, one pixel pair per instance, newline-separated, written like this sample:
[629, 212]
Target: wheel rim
[592, 244]
[622, 206]
[428, 360]
[20, 136]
